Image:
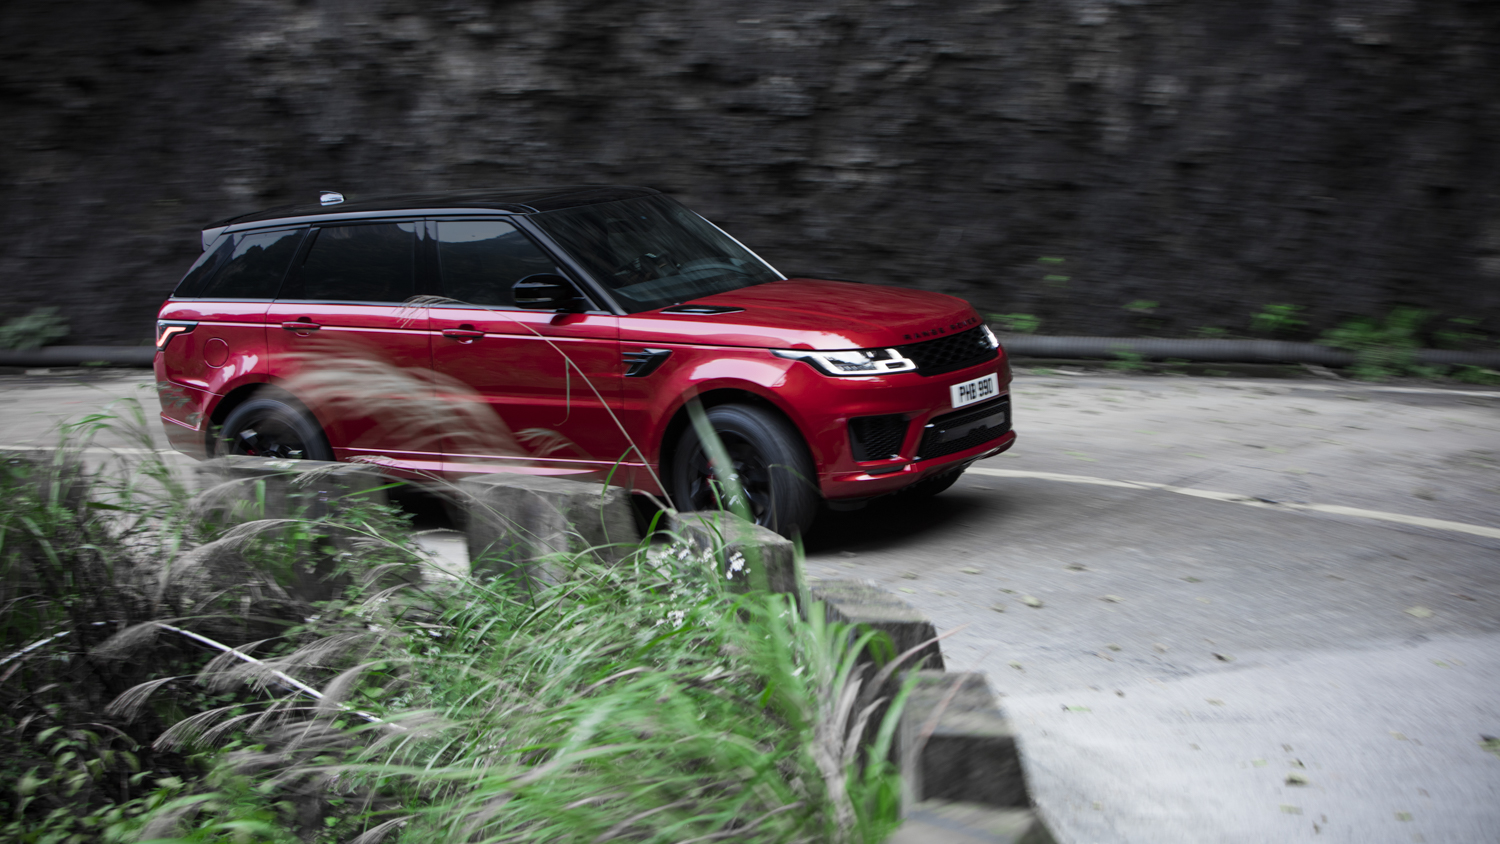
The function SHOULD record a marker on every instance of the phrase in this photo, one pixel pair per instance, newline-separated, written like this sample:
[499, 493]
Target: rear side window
[244, 266]
[483, 259]
[360, 263]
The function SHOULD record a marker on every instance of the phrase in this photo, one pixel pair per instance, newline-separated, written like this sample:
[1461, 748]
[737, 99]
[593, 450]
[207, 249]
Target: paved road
[1191, 655]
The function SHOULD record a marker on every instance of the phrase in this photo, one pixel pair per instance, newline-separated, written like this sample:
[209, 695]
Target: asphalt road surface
[1217, 610]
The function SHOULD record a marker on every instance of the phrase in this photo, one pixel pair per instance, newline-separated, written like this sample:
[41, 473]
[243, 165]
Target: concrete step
[946, 822]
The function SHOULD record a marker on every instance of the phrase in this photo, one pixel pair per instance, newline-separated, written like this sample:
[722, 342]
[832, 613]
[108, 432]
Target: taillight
[166, 329]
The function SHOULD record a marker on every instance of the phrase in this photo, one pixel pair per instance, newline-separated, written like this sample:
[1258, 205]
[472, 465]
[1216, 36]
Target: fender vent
[643, 362]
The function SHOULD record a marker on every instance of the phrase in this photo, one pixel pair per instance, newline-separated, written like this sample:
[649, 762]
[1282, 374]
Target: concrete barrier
[858, 602]
[955, 745]
[960, 764]
[516, 521]
[748, 554]
[242, 489]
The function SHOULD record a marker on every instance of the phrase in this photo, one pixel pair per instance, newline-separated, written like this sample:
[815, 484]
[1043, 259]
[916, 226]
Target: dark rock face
[1057, 157]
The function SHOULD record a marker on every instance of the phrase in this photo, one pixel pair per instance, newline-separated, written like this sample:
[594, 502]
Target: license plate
[972, 392]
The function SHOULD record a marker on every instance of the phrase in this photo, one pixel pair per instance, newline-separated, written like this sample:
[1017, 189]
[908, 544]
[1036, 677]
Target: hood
[805, 313]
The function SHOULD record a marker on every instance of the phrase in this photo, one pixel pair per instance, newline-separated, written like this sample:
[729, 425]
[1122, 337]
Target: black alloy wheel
[269, 427]
[768, 459]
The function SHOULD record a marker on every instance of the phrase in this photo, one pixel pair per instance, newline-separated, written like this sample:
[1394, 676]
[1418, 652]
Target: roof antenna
[330, 197]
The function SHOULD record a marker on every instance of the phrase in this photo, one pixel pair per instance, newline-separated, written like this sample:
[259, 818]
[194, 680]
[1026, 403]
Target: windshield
[652, 252]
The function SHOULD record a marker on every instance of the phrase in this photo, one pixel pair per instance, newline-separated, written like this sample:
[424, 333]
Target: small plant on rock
[1017, 323]
[1277, 319]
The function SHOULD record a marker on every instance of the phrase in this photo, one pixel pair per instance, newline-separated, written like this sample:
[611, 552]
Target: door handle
[462, 333]
[303, 324]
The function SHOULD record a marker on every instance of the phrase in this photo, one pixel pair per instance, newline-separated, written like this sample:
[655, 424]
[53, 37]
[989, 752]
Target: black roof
[514, 200]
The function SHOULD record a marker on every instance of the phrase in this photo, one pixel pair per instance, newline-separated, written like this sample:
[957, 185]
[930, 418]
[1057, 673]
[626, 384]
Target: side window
[245, 266]
[482, 259]
[360, 263]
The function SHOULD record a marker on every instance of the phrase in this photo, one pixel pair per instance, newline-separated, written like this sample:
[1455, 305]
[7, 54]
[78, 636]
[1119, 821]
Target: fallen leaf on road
[908, 590]
[1205, 600]
[1296, 779]
[1224, 657]
[1113, 599]
[1397, 736]
[1030, 601]
[1297, 763]
[1259, 763]
[1008, 591]
[970, 571]
[1112, 646]
[1160, 648]
[998, 607]
[1418, 612]
[1076, 567]
[1403, 816]
[1105, 656]
[1017, 666]
[1214, 701]
[1440, 664]
[1291, 810]
[1191, 579]
[909, 575]
[1490, 744]
[1067, 708]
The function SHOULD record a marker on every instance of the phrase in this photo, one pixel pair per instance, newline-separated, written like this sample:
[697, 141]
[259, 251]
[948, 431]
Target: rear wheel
[271, 427]
[767, 457]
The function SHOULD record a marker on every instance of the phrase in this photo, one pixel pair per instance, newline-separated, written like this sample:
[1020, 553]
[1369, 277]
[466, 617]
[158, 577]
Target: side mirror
[545, 292]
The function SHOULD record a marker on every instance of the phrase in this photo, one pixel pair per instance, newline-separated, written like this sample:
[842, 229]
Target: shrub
[39, 328]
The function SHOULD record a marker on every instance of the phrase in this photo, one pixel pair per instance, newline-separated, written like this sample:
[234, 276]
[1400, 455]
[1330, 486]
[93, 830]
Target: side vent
[877, 437]
[643, 362]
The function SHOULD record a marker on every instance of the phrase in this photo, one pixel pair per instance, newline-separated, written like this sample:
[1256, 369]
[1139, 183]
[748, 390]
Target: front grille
[946, 435]
[877, 437]
[945, 354]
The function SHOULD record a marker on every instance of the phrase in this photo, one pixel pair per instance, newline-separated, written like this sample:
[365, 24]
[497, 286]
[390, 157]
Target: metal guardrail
[1216, 351]
[1019, 345]
[139, 356]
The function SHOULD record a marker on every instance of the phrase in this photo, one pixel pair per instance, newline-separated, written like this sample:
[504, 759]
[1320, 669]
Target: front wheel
[271, 427]
[768, 459]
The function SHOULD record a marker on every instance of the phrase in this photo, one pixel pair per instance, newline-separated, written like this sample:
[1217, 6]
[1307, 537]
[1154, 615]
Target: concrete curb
[960, 764]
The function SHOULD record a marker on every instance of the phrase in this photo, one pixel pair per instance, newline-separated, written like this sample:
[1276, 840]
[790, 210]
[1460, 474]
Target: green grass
[177, 687]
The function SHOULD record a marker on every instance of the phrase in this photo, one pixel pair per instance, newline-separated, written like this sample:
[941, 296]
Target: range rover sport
[563, 331]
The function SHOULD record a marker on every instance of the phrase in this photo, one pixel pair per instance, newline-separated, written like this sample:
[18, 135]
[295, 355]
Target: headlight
[853, 361]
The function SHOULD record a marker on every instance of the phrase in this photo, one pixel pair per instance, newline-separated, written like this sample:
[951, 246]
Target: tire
[929, 487]
[769, 459]
[270, 427]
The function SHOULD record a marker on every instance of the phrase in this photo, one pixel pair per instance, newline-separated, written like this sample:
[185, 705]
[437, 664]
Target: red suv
[563, 331]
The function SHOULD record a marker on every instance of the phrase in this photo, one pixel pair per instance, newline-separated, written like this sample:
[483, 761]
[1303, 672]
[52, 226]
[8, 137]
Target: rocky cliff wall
[1063, 158]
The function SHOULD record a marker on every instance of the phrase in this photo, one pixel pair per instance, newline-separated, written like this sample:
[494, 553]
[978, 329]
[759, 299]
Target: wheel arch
[681, 422]
[243, 393]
